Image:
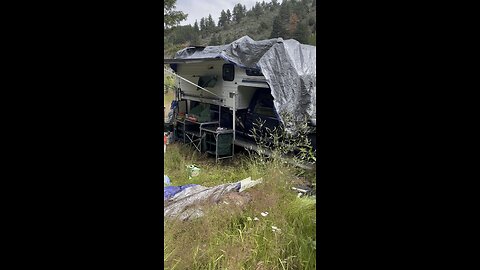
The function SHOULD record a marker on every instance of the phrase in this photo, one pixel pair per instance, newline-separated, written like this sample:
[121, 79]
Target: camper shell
[229, 84]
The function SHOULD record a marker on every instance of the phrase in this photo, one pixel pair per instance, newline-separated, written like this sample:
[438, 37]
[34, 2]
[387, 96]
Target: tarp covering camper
[288, 66]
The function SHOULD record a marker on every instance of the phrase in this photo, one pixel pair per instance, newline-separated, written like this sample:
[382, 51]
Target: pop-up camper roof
[288, 66]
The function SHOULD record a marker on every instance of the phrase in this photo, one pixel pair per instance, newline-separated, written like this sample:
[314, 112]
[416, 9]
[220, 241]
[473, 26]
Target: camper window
[253, 72]
[228, 72]
[207, 81]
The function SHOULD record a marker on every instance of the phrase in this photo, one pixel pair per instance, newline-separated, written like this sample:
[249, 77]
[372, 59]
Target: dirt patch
[236, 199]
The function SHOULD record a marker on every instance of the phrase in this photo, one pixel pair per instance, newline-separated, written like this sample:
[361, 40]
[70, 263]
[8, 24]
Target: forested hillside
[291, 19]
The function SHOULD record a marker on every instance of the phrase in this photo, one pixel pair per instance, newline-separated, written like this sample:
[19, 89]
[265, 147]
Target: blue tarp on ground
[169, 192]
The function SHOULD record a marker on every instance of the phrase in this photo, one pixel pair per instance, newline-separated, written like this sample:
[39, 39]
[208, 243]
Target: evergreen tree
[222, 21]
[229, 16]
[202, 25]
[219, 39]
[228, 40]
[302, 33]
[300, 7]
[281, 22]
[196, 34]
[237, 13]
[262, 27]
[195, 39]
[276, 31]
[257, 10]
[195, 27]
[213, 40]
[210, 23]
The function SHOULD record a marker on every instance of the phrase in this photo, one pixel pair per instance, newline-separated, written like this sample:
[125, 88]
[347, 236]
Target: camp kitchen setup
[220, 91]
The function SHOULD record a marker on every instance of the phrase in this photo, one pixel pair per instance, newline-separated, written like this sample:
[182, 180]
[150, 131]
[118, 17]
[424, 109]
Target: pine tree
[229, 16]
[276, 28]
[281, 22]
[237, 13]
[195, 27]
[302, 33]
[195, 39]
[219, 39]
[196, 34]
[262, 27]
[202, 25]
[210, 23]
[228, 40]
[213, 40]
[222, 21]
[257, 10]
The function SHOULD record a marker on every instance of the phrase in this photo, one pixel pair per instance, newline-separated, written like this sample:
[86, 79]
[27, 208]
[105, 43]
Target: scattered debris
[275, 229]
[304, 191]
[193, 171]
[264, 214]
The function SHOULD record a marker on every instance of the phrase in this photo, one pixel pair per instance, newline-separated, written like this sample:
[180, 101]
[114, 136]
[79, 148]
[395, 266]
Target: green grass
[229, 238]
[169, 95]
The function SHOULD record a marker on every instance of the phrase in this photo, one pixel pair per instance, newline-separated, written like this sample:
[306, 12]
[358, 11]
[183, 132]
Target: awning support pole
[234, 122]
[192, 83]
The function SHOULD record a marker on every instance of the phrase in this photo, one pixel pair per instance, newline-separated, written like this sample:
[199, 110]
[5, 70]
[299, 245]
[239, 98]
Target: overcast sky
[196, 9]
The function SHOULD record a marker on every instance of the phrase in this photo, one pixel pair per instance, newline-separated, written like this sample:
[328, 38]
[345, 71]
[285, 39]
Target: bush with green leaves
[284, 141]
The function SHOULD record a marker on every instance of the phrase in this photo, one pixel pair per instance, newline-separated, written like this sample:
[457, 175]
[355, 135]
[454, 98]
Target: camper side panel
[193, 71]
[243, 85]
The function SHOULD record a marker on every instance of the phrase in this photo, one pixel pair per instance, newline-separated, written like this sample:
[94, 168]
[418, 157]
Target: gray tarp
[288, 66]
[184, 205]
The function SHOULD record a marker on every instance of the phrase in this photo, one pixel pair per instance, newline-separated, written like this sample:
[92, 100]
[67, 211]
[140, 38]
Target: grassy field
[230, 237]
[168, 96]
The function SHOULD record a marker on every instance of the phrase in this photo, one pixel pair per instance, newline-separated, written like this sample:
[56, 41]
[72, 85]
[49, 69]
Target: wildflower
[264, 214]
[249, 218]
